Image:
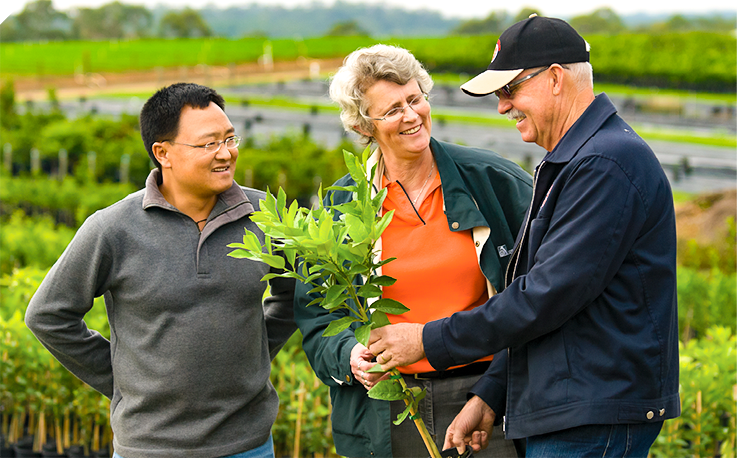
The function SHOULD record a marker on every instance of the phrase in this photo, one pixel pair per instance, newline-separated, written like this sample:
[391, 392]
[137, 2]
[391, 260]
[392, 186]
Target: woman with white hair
[457, 214]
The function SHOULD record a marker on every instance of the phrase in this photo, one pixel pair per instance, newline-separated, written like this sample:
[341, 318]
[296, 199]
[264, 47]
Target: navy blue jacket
[590, 311]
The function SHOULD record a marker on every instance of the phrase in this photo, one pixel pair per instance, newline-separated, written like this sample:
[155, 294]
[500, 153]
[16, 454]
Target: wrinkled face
[193, 171]
[530, 105]
[409, 134]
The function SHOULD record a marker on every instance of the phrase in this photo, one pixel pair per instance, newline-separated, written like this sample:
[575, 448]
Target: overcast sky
[449, 8]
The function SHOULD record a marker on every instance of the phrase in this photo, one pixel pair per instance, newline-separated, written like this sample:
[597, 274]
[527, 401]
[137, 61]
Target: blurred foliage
[708, 391]
[34, 242]
[116, 20]
[35, 390]
[490, 25]
[349, 28]
[183, 24]
[603, 20]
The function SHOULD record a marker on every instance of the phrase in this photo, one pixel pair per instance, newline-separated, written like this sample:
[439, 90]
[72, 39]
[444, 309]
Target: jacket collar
[585, 127]
[460, 206]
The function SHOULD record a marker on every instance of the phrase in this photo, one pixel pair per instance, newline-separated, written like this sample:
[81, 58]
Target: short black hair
[160, 116]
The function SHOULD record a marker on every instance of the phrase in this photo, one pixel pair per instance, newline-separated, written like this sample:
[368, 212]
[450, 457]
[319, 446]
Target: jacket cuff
[492, 393]
[345, 375]
[434, 346]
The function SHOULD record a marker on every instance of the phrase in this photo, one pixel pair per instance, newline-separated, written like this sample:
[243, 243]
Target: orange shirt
[437, 270]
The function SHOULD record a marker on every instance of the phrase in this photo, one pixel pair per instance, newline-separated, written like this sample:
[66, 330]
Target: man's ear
[160, 151]
[557, 73]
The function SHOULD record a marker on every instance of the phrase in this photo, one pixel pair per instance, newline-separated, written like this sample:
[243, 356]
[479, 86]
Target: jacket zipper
[515, 256]
[516, 253]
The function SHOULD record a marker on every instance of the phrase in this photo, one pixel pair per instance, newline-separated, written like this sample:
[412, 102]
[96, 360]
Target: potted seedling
[332, 248]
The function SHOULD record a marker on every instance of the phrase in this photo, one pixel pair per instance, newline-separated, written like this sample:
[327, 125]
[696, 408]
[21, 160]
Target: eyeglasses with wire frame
[214, 147]
[394, 114]
[507, 90]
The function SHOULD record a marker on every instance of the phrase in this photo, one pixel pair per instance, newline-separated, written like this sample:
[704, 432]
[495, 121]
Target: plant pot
[453, 453]
[76, 451]
[49, 450]
[101, 453]
[6, 450]
[25, 452]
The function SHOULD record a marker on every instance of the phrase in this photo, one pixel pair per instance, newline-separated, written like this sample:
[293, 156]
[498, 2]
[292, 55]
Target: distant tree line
[40, 21]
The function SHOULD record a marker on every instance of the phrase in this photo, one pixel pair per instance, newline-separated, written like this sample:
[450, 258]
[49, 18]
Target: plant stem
[426, 437]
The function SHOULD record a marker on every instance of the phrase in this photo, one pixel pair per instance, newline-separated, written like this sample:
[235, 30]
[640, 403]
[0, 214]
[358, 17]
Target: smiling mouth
[412, 130]
[221, 169]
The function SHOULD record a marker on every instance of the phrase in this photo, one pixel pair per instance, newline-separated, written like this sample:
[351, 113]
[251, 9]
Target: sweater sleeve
[593, 227]
[278, 312]
[56, 311]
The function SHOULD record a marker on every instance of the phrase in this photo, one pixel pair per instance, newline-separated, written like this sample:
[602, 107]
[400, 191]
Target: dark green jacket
[483, 192]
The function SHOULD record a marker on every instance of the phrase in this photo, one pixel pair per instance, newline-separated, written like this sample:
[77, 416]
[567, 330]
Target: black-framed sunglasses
[213, 147]
[507, 90]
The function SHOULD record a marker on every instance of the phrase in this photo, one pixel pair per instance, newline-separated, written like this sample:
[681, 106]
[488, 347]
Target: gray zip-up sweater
[187, 368]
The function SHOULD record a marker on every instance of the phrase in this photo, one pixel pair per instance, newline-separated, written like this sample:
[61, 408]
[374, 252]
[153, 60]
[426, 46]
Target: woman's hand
[360, 360]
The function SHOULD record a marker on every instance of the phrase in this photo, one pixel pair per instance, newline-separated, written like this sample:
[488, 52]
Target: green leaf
[281, 200]
[337, 326]
[382, 280]
[333, 304]
[389, 306]
[357, 229]
[402, 416]
[278, 262]
[355, 168]
[334, 292]
[290, 254]
[269, 204]
[314, 301]
[341, 188]
[243, 254]
[362, 334]
[358, 269]
[376, 369]
[382, 224]
[387, 390]
[369, 291]
[379, 319]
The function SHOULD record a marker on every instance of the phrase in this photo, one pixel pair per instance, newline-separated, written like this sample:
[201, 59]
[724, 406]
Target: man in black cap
[589, 316]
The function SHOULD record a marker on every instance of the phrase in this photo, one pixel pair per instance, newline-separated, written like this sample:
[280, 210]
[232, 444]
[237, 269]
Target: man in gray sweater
[187, 368]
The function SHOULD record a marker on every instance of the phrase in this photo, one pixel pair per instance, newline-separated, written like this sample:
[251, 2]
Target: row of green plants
[44, 407]
[32, 382]
[701, 60]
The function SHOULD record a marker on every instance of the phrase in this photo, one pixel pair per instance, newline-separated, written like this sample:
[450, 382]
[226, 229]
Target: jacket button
[456, 225]
[478, 243]
[348, 379]
[650, 414]
[662, 412]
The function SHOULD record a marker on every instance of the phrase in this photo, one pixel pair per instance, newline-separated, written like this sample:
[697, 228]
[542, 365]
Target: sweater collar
[226, 201]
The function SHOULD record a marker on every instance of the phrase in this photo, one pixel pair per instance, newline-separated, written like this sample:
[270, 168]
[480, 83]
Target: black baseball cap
[533, 42]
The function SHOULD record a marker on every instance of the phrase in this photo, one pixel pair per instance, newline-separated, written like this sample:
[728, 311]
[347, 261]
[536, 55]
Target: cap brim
[489, 81]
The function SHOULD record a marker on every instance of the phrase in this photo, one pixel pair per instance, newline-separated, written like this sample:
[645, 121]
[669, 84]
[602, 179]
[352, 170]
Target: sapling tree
[332, 248]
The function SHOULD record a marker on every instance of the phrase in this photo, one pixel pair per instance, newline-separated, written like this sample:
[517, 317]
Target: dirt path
[34, 88]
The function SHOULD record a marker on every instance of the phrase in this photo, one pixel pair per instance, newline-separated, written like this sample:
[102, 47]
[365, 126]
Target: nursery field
[702, 61]
[45, 196]
[57, 171]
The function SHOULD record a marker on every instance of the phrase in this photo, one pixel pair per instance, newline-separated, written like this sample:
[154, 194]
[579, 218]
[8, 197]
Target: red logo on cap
[496, 50]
